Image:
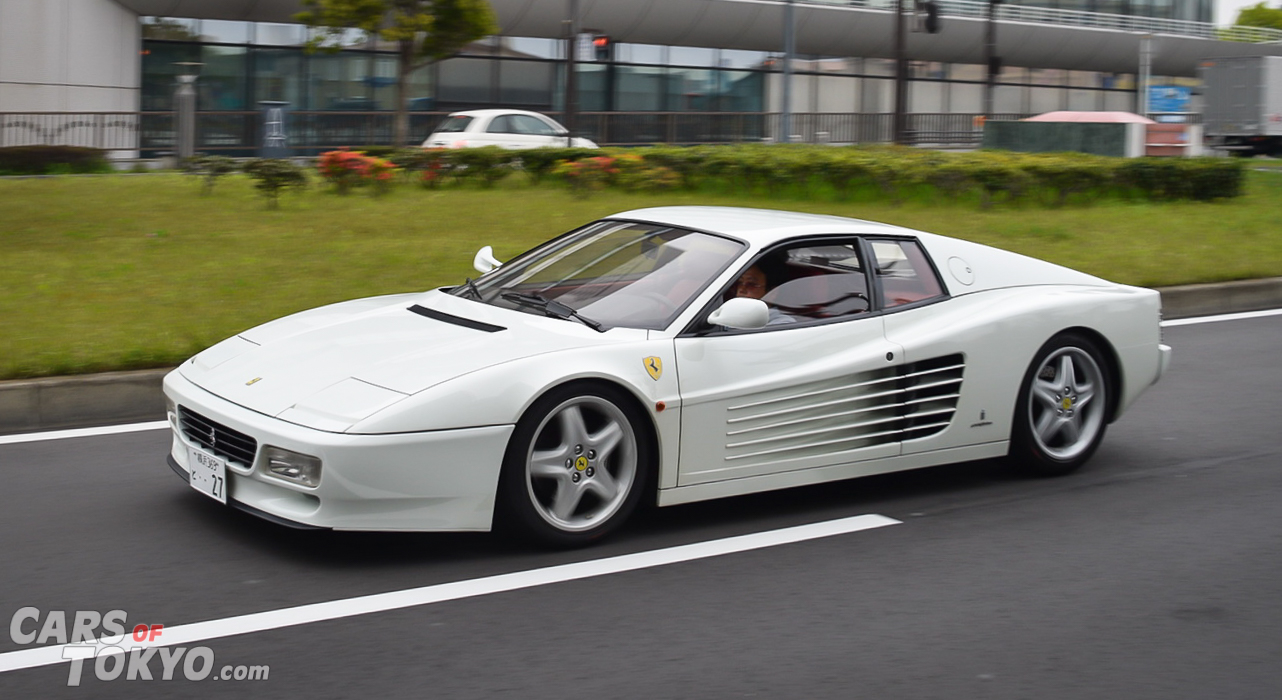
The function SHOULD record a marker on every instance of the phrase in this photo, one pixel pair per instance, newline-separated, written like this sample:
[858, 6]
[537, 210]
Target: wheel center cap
[581, 463]
[1066, 403]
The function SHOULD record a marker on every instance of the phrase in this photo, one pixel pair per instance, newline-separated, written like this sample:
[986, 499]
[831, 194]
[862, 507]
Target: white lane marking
[1221, 317]
[457, 590]
[84, 432]
[160, 424]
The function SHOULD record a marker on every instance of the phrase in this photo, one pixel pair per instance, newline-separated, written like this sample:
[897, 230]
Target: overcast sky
[1226, 10]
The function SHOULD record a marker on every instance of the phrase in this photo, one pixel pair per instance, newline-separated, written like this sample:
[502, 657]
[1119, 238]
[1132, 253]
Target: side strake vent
[902, 403]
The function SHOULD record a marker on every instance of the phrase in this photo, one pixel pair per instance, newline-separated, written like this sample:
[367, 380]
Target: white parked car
[664, 356]
[506, 128]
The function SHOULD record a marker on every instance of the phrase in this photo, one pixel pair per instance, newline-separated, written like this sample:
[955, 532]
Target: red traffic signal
[601, 45]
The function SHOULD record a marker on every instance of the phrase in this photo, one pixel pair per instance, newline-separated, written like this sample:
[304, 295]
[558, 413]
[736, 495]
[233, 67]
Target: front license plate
[208, 474]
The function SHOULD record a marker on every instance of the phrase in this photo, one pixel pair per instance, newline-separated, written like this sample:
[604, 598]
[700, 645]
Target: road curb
[1191, 300]
[54, 403]
[114, 398]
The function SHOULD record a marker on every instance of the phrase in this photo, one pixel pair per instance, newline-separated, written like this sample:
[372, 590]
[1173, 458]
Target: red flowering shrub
[347, 169]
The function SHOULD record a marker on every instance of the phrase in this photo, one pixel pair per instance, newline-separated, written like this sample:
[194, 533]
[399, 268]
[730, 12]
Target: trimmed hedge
[52, 160]
[808, 172]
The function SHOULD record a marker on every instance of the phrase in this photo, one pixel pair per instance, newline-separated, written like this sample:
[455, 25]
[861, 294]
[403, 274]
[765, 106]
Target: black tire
[575, 467]
[1062, 410]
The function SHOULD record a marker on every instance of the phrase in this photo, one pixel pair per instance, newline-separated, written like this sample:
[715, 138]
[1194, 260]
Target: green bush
[209, 169]
[539, 162]
[810, 172]
[488, 164]
[43, 160]
[378, 151]
[687, 162]
[1203, 179]
[273, 175]
[897, 173]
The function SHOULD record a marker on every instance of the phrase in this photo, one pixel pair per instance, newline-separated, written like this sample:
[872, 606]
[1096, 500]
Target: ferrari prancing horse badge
[654, 366]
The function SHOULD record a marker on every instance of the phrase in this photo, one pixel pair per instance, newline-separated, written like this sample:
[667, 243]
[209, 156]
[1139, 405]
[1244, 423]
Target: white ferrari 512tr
[666, 355]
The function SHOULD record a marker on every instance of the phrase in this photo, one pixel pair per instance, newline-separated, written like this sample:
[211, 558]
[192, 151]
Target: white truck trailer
[1243, 104]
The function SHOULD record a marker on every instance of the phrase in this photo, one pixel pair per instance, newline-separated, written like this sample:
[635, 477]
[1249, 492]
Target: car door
[942, 342]
[532, 132]
[814, 390]
[501, 131]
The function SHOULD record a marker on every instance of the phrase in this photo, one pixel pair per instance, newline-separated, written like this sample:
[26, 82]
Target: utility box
[1243, 103]
[1120, 140]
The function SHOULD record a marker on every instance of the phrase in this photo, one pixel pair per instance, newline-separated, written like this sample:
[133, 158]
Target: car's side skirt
[804, 477]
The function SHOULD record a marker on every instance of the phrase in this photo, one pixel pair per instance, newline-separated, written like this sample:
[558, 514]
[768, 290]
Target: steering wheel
[666, 305]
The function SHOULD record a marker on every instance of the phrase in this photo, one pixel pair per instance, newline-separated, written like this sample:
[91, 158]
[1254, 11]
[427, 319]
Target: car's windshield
[453, 123]
[614, 273]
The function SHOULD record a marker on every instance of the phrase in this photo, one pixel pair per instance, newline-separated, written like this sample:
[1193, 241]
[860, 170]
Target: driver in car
[753, 284]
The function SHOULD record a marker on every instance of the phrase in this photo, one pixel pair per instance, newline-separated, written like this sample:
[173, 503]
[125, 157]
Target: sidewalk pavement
[114, 398]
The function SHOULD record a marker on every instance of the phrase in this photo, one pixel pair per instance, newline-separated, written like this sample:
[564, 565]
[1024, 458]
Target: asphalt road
[1154, 572]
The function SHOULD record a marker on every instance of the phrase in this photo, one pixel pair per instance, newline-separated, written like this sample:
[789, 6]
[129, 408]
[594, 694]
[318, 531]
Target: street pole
[901, 79]
[990, 58]
[789, 48]
[571, 79]
[1146, 69]
[185, 110]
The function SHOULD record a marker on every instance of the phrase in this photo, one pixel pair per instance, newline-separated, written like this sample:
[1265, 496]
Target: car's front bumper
[1164, 354]
[442, 480]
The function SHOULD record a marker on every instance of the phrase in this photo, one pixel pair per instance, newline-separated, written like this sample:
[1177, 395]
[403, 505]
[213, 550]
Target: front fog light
[292, 466]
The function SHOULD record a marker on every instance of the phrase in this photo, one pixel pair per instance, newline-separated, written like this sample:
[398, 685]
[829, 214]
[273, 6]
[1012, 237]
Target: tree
[424, 31]
[1260, 16]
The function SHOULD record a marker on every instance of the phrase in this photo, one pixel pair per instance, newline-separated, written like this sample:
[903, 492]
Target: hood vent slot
[456, 320]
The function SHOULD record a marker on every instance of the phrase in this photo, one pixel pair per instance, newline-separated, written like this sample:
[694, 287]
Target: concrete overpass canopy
[823, 29]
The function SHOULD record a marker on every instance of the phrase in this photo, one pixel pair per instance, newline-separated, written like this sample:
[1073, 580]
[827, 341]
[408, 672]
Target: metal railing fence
[310, 132]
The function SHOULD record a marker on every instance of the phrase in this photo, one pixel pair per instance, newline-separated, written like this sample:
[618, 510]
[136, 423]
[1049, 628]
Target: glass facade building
[245, 63]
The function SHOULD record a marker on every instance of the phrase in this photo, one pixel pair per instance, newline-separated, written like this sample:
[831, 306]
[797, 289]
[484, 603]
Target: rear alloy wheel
[1063, 407]
[575, 466]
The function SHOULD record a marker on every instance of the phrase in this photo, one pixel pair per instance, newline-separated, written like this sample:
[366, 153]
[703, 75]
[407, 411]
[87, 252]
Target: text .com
[104, 639]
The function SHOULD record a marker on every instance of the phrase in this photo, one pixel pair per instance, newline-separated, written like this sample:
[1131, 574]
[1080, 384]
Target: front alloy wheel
[1063, 409]
[575, 465]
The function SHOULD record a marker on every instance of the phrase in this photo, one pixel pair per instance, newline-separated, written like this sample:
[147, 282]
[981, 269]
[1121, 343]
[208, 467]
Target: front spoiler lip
[182, 473]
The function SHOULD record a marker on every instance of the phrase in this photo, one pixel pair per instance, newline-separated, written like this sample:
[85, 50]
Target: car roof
[759, 227]
[492, 112]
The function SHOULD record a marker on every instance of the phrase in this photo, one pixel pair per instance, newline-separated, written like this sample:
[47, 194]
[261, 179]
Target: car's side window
[903, 273]
[525, 124]
[820, 281]
[805, 282]
[500, 125]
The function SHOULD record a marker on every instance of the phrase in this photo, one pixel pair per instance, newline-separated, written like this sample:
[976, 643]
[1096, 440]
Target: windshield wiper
[471, 287]
[551, 307]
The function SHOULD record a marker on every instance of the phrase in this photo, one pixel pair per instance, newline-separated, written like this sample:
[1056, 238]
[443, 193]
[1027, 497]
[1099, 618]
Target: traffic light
[932, 16]
[601, 46]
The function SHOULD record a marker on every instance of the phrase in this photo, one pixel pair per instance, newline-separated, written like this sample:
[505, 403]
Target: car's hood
[330, 367]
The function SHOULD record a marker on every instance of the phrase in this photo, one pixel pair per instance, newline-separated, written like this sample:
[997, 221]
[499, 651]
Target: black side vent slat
[925, 385]
[908, 402]
[232, 445]
[456, 320]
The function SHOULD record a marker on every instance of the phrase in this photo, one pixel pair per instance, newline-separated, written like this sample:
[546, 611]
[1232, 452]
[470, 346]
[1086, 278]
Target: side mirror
[741, 313]
[485, 260]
